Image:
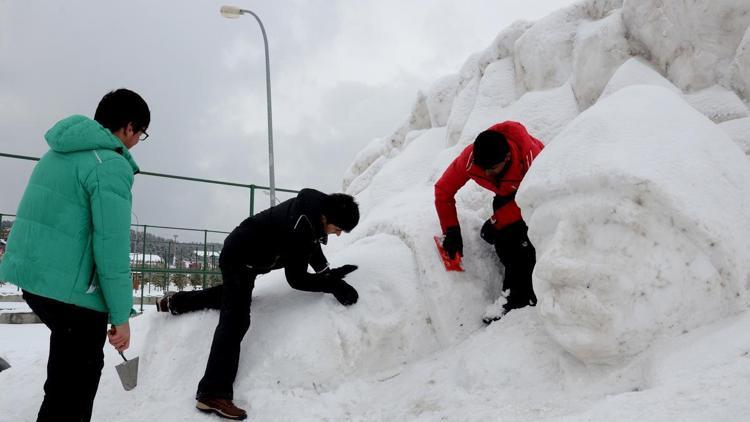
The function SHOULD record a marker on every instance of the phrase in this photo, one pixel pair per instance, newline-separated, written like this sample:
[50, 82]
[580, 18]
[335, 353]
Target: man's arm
[328, 282]
[109, 187]
[317, 260]
[454, 177]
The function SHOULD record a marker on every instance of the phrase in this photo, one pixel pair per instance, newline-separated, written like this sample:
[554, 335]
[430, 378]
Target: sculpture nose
[565, 262]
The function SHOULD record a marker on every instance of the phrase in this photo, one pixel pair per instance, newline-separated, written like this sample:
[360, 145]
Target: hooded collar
[80, 133]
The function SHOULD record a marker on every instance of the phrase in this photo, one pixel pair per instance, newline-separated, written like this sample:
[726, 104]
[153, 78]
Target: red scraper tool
[450, 264]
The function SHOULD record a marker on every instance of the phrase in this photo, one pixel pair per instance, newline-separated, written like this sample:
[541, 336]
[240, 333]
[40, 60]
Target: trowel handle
[123, 357]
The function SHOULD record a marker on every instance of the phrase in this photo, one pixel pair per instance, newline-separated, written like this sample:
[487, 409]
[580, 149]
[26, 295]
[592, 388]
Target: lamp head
[230, 12]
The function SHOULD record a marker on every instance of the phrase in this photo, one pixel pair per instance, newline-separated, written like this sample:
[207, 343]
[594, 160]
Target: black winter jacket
[287, 236]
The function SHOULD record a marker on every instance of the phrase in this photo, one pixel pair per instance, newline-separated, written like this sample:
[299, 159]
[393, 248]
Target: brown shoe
[162, 305]
[222, 407]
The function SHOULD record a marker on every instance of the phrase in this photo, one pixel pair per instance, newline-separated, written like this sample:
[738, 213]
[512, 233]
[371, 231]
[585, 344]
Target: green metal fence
[160, 272]
[251, 187]
[206, 269]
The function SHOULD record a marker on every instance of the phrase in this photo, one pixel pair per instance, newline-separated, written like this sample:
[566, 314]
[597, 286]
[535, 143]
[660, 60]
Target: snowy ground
[637, 207]
[511, 371]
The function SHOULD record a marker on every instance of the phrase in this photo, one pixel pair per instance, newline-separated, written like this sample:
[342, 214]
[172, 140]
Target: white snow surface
[739, 131]
[638, 208]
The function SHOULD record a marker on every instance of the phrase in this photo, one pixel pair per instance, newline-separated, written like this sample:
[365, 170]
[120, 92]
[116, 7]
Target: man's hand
[489, 232]
[341, 272]
[344, 293]
[453, 243]
[119, 336]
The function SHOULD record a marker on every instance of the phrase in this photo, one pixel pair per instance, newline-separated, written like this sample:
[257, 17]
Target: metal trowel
[3, 365]
[128, 373]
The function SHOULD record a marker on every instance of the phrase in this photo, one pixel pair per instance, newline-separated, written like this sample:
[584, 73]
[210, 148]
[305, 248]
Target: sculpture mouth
[575, 294]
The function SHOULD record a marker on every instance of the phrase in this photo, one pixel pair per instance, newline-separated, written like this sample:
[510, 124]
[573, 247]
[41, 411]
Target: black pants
[75, 358]
[233, 298]
[518, 256]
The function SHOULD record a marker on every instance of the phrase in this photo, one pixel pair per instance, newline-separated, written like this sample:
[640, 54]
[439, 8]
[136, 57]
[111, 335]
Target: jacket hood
[80, 133]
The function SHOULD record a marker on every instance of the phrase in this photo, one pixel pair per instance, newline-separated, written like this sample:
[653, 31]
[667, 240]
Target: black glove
[340, 272]
[344, 293]
[489, 232]
[452, 243]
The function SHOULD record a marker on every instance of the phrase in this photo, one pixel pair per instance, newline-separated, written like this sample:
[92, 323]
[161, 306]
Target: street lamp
[234, 13]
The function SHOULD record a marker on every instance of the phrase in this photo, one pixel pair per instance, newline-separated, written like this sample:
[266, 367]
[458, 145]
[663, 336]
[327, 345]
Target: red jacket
[523, 149]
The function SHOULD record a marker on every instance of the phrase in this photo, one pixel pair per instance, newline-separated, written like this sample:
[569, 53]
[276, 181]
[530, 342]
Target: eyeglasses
[143, 136]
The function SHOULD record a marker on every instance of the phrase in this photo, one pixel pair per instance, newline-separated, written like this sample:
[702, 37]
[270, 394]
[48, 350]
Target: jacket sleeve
[454, 177]
[297, 276]
[302, 249]
[299, 279]
[318, 261]
[109, 186]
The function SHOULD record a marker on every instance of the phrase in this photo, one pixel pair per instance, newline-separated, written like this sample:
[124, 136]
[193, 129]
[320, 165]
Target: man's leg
[75, 358]
[234, 322]
[518, 256]
[196, 300]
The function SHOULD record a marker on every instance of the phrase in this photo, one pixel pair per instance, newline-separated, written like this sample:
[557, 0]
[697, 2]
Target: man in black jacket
[286, 236]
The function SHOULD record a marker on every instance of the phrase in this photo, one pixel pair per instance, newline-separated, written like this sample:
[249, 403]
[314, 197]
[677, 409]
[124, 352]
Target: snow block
[692, 42]
[496, 90]
[718, 104]
[636, 71]
[462, 107]
[739, 131]
[544, 113]
[440, 99]
[741, 67]
[543, 54]
[600, 48]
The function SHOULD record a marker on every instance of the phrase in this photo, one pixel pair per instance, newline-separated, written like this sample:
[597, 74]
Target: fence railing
[152, 256]
[205, 267]
[251, 187]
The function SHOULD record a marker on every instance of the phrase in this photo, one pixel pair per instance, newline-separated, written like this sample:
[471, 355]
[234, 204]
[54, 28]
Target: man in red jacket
[497, 160]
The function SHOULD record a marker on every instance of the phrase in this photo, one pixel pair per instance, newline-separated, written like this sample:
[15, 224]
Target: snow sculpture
[638, 211]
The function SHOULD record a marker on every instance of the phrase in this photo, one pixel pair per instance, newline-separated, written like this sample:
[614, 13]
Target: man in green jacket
[70, 243]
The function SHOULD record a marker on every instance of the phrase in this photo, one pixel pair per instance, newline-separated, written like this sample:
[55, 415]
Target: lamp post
[234, 13]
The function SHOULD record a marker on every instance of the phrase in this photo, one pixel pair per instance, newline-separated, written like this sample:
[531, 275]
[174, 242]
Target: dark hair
[120, 107]
[342, 211]
[490, 148]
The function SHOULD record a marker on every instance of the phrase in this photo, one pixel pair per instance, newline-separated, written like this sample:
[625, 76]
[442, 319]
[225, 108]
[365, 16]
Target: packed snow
[638, 208]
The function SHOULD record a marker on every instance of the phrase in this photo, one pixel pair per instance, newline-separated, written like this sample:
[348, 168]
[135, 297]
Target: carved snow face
[613, 271]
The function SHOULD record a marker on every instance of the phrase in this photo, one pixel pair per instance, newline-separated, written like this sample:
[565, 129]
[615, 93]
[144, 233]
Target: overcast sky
[343, 72]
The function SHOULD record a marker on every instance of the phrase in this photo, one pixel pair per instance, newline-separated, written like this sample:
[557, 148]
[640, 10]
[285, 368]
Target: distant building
[209, 254]
[139, 258]
[212, 258]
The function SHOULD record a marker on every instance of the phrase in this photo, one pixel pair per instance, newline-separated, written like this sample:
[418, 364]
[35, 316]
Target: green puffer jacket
[71, 237]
